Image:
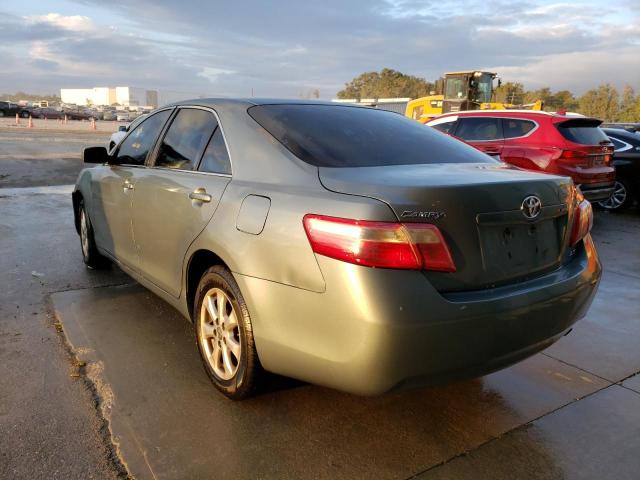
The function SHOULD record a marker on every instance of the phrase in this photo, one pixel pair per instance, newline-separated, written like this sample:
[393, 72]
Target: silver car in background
[340, 245]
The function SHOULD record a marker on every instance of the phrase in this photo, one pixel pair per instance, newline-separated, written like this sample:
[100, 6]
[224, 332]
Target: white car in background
[117, 137]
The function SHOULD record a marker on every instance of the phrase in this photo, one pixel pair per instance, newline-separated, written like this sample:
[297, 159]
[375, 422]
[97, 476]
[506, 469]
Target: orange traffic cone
[17, 119]
[30, 122]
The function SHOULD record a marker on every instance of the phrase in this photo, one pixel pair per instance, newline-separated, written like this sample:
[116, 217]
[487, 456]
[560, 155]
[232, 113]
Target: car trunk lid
[477, 207]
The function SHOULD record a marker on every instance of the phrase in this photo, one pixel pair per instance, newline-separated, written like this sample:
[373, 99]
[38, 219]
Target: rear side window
[479, 128]
[186, 139]
[619, 145]
[216, 157]
[345, 136]
[513, 127]
[134, 149]
[583, 131]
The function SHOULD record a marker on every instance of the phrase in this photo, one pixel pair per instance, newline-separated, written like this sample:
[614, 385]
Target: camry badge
[427, 215]
[531, 207]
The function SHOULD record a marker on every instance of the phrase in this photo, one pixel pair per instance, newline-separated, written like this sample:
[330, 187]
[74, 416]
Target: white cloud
[212, 74]
[578, 71]
[287, 47]
[74, 23]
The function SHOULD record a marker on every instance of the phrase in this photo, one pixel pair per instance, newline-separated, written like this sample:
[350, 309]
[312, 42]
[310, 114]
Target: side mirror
[123, 128]
[95, 155]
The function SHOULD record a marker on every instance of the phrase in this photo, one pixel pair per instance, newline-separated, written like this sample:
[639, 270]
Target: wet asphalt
[99, 378]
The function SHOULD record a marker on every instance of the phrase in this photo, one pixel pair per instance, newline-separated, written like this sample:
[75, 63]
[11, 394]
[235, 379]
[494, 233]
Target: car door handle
[200, 195]
[127, 186]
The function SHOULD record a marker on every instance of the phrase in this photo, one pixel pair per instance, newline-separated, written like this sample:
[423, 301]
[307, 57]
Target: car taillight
[582, 222]
[379, 244]
[582, 159]
[575, 158]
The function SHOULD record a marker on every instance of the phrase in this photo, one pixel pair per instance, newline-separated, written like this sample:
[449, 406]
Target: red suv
[566, 145]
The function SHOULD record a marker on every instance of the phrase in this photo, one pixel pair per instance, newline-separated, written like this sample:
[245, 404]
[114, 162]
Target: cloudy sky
[286, 48]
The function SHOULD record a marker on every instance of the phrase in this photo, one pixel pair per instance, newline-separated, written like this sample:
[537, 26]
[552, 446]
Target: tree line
[604, 102]
[30, 97]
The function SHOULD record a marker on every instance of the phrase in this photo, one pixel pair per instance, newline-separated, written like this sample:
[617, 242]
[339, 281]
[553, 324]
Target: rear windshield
[583, 131]
[344, 136]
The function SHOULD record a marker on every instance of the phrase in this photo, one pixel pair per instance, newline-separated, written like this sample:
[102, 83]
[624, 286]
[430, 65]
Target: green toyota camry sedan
[340, 245]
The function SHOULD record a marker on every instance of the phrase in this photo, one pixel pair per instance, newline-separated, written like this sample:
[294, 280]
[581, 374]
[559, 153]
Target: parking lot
[99, 378]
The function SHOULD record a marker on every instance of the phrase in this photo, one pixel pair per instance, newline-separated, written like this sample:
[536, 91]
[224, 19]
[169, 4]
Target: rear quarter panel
[281, 252]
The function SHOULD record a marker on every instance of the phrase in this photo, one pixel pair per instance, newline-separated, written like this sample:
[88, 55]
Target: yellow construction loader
[470, 90]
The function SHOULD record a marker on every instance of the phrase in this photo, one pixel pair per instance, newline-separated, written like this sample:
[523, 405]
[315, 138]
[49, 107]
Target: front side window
[216, 157]
[134, 149]
[479, 128]
[445, 125]
[348, 136]
[186, 139]
[456, 88]
[514, 128]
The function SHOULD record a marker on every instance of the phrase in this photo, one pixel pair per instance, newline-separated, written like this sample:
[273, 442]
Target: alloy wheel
[84, 233]
[220, 334]
[617, 198]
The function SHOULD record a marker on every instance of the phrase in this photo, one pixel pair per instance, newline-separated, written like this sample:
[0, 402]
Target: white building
[88, 96]
[124, 96]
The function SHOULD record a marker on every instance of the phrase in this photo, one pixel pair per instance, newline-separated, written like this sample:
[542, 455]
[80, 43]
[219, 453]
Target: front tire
[90, 255]
[224, 335]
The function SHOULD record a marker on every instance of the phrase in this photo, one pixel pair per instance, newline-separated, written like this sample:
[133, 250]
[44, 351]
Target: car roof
[213, 102]
[622, 133]
[518, 113]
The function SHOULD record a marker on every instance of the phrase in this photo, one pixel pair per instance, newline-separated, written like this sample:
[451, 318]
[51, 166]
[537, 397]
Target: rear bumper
[373, 330]
[596, 192]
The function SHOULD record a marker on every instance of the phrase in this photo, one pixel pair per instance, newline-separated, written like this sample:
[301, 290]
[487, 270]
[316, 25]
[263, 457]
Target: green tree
[563, 100]
[30, 97]
[387, 83]
[601, 102]
[543, 94]
[510, 92]
[629, 105]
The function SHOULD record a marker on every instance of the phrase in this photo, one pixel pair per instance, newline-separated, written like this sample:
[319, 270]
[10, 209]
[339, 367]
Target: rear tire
[621, 198]
[90, 255]
[224, 335]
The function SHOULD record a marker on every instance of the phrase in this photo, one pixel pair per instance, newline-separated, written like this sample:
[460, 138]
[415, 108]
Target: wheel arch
[76, 198]
[198, 263]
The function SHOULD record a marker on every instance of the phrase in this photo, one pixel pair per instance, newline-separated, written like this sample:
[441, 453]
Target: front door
[110, 212]
[114, 187]
[177, 196]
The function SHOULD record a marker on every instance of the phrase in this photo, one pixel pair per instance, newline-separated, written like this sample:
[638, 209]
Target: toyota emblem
[531, 207]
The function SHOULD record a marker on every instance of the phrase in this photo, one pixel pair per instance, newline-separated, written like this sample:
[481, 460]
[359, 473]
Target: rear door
[484, 133]
[178, 194]
[517, 149]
